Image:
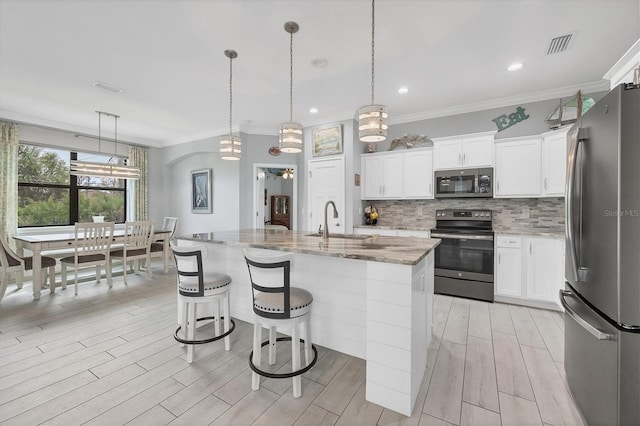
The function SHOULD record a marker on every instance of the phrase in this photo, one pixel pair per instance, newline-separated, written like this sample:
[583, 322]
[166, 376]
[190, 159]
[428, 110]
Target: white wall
[226, 200]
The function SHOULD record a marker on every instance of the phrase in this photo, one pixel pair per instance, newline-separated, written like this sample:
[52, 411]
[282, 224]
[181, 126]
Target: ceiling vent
[107, 87]
[560, 44]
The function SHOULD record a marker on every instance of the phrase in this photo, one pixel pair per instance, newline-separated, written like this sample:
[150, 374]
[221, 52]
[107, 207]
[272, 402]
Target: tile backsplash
[509, 214]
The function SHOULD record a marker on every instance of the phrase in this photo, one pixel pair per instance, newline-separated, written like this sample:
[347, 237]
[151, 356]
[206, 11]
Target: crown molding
[625, 64]
[544, 95]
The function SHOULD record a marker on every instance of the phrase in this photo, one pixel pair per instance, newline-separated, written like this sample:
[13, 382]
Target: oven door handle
[463, 237]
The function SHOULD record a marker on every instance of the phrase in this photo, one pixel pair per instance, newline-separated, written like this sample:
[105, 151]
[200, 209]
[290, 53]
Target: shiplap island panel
[373, 298]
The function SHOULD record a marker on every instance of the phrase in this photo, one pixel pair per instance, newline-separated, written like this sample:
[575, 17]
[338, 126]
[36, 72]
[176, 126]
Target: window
[49, 195]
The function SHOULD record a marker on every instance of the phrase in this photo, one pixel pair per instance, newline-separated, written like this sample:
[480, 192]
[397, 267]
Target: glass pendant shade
[373, 122]
[230, 147]
[291, 138]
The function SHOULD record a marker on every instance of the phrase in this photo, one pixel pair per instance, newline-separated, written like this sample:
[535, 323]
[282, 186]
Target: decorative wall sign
[201, 197]
[327, 140]
[503, 122]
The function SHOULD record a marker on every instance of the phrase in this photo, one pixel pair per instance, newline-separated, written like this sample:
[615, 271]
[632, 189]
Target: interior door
[326, 182]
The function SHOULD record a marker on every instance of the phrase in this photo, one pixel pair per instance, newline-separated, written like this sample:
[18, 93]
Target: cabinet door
[554, 165]
[518, 169]
[477, 152]
[448, 154]
[418, 174]
[371, 178]
[509, 272]
[391, 176]
[375, 231]
[542, 257]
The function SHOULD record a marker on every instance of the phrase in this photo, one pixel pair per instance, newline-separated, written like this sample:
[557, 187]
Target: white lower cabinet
[509, 267]
[529, 268]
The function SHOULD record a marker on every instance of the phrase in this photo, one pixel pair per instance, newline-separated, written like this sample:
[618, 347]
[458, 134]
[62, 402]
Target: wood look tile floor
[108, 357]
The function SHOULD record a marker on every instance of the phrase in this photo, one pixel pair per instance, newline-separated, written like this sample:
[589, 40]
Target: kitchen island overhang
[372, 298]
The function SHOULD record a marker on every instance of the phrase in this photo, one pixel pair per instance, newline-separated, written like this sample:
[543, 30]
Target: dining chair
[11, 262]
[92, 248]
[168, 224]
[137, 246]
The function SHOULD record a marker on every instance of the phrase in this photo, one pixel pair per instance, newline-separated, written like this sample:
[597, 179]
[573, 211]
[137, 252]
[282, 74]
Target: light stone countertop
[399, 228]
[400, 250]
[530, 232]
[527, 232]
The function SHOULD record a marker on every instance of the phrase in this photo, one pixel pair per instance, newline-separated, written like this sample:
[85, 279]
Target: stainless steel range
[464, 258]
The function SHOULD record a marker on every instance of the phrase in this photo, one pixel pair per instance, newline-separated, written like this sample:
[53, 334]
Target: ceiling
[168, 57]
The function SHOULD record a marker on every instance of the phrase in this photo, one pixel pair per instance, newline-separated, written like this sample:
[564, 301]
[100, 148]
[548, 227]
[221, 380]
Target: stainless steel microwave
[464, 183]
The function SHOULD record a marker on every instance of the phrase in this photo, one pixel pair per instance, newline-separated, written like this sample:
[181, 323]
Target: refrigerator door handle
[575, 138]
[581, 321]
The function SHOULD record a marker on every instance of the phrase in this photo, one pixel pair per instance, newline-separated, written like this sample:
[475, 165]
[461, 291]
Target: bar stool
[276, 303]
[195, 286]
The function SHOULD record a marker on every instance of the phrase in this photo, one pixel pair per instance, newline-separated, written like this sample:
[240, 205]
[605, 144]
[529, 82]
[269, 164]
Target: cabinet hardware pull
[464, 159]
[498, 186]
[499, 257]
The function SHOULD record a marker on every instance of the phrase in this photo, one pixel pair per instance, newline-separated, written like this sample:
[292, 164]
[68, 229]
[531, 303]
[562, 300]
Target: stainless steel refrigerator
[602, 271]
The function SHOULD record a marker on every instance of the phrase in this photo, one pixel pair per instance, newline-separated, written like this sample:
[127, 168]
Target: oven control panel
[480, 215]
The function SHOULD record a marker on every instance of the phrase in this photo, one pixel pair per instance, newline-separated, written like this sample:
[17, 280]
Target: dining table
[37, 243]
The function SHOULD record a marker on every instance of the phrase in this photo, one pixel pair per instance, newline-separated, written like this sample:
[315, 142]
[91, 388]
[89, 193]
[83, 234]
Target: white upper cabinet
[554, 162]
[418, 174]
[517, 172]
[381, 176]
[474, 150]
[397, 175]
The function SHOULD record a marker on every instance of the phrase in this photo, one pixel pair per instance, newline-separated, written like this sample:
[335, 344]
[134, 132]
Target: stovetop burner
[464, 222]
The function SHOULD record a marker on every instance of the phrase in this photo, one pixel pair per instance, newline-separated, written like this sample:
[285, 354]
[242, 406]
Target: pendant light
[291, 136]
[116, 171]
[230, 145]
[373, 119]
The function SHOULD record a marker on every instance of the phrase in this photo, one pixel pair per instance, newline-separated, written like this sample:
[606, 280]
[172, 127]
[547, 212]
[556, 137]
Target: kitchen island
[372, 298]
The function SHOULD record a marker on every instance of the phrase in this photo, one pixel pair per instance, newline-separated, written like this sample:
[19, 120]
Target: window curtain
[9, 143]
[138, 158]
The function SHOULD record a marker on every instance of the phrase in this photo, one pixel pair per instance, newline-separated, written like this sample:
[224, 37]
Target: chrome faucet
[325, 231]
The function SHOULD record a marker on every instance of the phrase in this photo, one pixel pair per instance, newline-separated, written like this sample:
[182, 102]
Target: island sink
[343, 236]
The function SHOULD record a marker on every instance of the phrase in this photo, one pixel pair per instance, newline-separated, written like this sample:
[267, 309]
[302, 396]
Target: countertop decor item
[411, 141]
[569, 111]
[370, 215]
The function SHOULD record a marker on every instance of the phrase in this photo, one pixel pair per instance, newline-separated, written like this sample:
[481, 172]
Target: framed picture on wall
[201, 195]
[327, 140]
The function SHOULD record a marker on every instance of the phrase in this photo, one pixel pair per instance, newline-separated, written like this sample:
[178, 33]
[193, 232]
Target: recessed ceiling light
[514, 67]
[403, 90]
[313, 110]
[319, 62]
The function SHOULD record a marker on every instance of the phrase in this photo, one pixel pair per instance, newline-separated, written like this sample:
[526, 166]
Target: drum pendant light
[291, 136]
[230, 145]
[373, 119]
